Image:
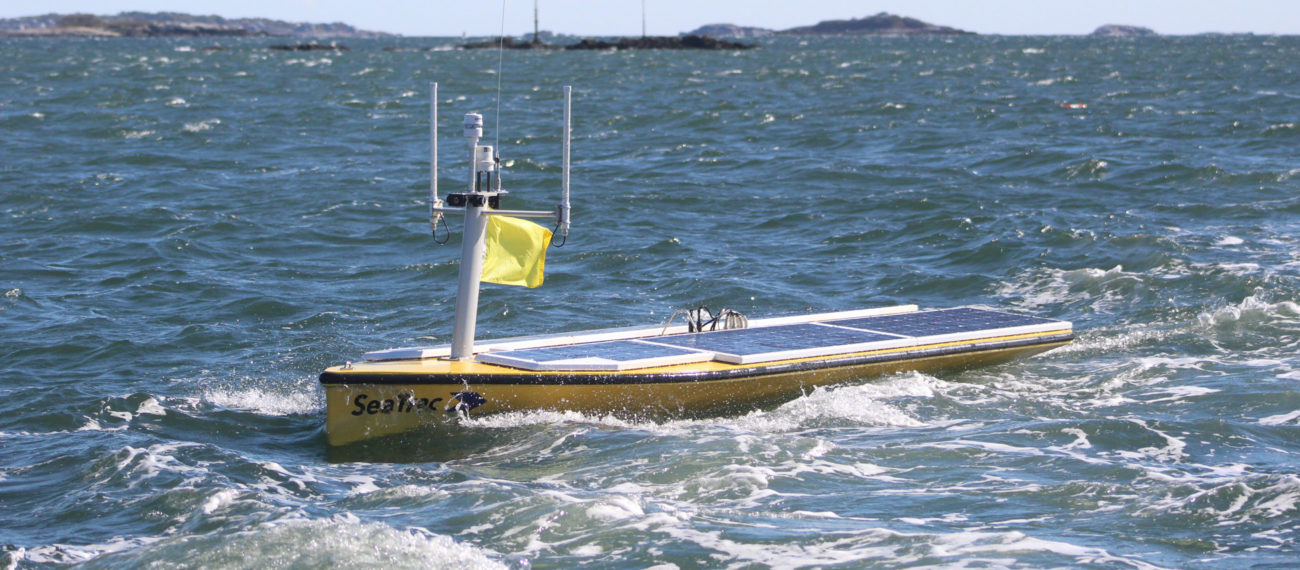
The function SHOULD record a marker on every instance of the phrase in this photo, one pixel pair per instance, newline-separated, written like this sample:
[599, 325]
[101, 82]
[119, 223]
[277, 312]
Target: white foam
[1237, 499]
[1001, 448]
[143, 464]
[94, 425]
[1053, 81]
[309, 62]
[1281, 419]
[862, 403]
[1080, 442]
[966, 544]
[1103, 341]
[73, 554]
[219, 500]
[263, 401]
[866, 403]
[1250, 309]
[1238, 268]
[298, 480]
[587, 550]
[1045, 288]
[548, 417]
[124, 416]
[152, 407]
[299, 543]
[616, 507]
[1285, 501]
[1183, 392]
[201, 126]
[361, 484]
[1173, 451]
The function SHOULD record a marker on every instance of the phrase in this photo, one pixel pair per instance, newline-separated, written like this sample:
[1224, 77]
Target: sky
[670, 17]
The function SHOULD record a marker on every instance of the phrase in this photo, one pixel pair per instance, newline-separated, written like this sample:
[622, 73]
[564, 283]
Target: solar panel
[951, 322]
[780, 342]
[609, 355]
[746, 346]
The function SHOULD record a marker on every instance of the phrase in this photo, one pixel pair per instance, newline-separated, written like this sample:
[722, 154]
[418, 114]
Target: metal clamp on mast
[481, 200]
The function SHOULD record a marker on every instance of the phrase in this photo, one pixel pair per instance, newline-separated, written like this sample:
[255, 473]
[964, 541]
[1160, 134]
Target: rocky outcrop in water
[690, 42]
[1120, 31]
[509, 43]
[660, 42]
[310, 46]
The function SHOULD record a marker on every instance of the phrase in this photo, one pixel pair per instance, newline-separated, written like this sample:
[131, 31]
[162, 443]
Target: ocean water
[188, 236]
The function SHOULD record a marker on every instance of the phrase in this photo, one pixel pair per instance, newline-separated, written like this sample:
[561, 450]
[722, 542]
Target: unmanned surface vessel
[705, 367]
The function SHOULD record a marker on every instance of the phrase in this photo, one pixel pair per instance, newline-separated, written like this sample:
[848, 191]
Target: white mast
[473, 244]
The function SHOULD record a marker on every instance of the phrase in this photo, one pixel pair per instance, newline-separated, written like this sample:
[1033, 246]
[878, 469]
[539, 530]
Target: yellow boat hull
[378, 399]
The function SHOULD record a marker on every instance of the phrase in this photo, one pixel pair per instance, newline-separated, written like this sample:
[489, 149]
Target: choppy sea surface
[188, 236]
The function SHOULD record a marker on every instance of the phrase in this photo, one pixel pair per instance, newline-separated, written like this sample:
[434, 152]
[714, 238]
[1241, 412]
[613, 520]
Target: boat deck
[646, 355]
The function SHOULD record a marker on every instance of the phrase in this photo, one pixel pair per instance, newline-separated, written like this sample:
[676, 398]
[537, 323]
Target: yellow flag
[516, 252]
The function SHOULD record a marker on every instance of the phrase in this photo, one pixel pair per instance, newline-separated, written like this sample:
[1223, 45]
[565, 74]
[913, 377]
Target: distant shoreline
[173, 24]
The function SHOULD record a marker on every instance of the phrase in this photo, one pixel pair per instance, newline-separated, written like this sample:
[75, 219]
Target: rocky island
[882, 24]
[1120, 31]
[170, 24]
[730, 31]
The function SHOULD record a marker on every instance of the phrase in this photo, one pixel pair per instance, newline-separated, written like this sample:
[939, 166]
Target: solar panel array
[745, 346]
[782, 342]
[942, 322]
[608, 355]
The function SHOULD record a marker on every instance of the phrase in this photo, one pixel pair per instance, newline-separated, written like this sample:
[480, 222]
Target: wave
[294, 543]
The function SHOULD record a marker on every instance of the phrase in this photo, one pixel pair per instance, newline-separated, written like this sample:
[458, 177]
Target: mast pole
[536, 29]
[474, 244]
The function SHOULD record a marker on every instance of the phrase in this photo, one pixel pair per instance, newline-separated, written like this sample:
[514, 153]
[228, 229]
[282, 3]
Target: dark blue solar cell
[771, 339]
[616, 350]
[946, 321]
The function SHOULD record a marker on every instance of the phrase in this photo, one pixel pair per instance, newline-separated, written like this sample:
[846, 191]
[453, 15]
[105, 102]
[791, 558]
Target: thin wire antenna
[501, 50]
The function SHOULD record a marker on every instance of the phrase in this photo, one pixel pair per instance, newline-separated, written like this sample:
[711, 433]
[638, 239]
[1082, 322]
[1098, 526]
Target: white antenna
[564, 171]
[434, 203]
